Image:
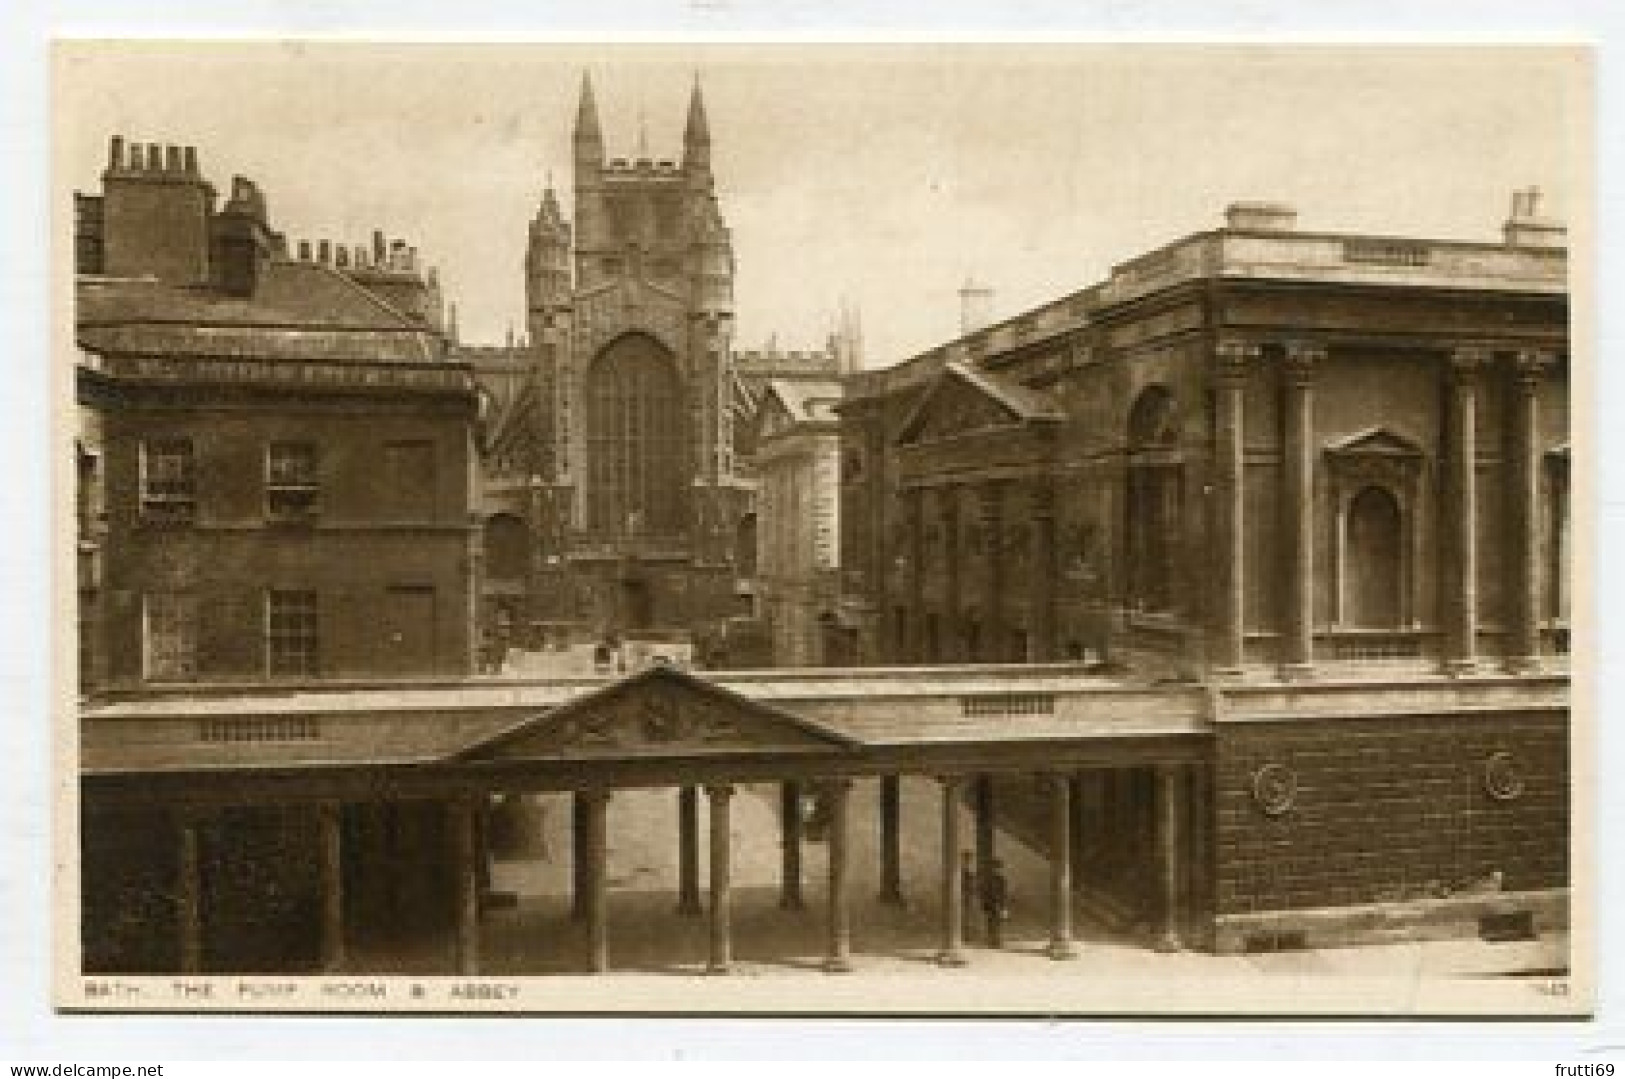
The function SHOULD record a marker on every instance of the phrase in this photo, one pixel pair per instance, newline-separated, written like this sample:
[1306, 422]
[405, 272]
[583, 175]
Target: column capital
[1041, 499]
[835, 785]
[1299, 360]
[719, 792]
[1467, 362]
[990, 498]
[597, 796]
[1529, 365]
[1231, 355]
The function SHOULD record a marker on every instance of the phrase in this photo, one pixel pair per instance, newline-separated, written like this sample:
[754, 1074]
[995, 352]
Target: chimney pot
[172, 159]
[360, 257]
[137, 157]
[155, 157]
[378, 247]
[304, 250]
[324, 252]
[1261, 216]
[115, 152]
[341, 254]
[190, 157]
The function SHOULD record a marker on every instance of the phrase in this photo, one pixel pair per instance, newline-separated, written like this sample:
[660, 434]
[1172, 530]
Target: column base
[951, 957]
[1296, 672]
[1062, 949]
[1523, 665]
[1167, 944]
[837, 964]
[689, 908]
[1461, 668]
[719, 968]
[1228, 673]
[792, 902]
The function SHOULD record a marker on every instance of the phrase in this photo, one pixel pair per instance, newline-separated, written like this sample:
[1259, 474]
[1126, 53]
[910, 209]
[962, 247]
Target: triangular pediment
[1377, 442]
[956, 404]
[659, 713]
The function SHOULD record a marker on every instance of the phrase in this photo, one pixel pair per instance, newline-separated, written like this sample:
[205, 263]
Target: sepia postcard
[1070, 529]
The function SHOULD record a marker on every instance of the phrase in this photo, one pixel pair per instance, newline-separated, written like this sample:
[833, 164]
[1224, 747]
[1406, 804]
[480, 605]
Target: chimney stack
[115, 153]
[1260, 217]
[1527, 228]
[975, 306]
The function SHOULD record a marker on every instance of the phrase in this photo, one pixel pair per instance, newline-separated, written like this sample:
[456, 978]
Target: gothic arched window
[636, 454]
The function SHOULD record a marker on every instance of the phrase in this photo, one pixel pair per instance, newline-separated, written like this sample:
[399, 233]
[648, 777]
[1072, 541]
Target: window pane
[171, 636]
[291, 643]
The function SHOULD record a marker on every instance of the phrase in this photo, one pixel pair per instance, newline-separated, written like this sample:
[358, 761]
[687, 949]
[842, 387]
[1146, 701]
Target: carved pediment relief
[954, 407]
[658, 713]
[1375, 455]
[1375, 441]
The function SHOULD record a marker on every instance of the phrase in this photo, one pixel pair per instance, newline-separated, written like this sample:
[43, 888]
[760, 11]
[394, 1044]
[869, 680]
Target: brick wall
[1389, 809]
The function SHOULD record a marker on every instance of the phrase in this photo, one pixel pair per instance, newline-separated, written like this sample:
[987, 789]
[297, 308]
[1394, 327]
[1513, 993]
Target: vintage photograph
[1069, 529]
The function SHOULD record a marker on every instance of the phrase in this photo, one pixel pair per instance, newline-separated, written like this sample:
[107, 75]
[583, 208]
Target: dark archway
[1152, 500]
[745, 546]
[637, 452]
[507, 548]
[1374, 559]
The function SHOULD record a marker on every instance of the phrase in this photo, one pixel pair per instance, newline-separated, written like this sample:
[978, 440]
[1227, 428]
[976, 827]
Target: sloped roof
[299, 311]
[809, 400]
[1022, 404]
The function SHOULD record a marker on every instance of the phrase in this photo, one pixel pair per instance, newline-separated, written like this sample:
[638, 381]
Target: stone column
[1523, 473]
[1298, 500]
[1169, 850]
[916, 571]
[466, 890]
[1461, 544]
[1231, 359]
[983, 807]
[992, 511]
[1060, 867]
[953, 561]
[330, 822]
[721, 958]
[953, 906]
[1045, 573]
[688, 851]
[891, 840]
[595, 811]
[580, 864]
[790, 847]
[189, 894]
[838, 958]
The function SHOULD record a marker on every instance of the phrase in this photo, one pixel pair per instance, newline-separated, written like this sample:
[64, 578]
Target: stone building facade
[274, 455]
[1266, 456]
[612, 492]
[797, 462]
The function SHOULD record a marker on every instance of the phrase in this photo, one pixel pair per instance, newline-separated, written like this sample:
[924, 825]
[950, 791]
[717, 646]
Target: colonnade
[590, 870]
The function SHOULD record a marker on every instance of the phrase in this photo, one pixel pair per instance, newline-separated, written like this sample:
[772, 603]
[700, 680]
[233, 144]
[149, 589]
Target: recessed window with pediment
[1375, 479]
[1154, 496]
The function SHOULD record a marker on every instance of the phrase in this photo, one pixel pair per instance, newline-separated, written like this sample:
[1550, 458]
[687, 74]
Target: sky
[882, 177]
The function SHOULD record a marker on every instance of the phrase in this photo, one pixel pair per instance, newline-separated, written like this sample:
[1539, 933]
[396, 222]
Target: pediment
[955, 406]
[1375, 442]
[658, 713]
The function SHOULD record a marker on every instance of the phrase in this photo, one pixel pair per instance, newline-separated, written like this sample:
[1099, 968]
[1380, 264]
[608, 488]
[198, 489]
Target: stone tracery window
[636, 450]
